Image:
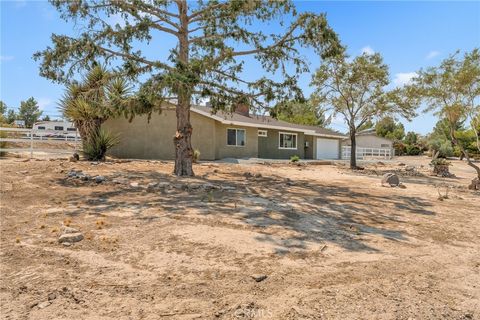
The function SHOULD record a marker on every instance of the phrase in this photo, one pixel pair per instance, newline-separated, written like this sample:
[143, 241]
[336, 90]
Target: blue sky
[410, 35]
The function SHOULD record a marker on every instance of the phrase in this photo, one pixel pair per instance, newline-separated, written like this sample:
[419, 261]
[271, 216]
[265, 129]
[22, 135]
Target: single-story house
[369, 144]
[223, 135]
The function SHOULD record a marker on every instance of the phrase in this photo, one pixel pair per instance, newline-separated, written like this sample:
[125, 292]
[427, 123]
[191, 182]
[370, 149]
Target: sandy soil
[333, 244]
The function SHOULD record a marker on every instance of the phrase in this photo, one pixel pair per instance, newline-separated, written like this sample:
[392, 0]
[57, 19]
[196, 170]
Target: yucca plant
[99, 95]
[95, 149]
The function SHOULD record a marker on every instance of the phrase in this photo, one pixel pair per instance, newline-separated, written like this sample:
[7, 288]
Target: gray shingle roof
[262, 121]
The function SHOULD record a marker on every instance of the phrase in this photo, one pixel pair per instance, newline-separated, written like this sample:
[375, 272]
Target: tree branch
[209, 8]
[285, 38]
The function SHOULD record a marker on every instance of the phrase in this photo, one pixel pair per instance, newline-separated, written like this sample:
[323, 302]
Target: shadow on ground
[309, 211]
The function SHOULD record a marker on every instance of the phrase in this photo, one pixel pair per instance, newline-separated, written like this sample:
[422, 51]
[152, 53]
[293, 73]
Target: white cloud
[432, 54]
[44, 102]
[367, 50]
[6, 58]
[402, 79]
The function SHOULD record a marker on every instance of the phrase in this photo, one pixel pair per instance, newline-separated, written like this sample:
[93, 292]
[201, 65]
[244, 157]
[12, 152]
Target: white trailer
[54, 129]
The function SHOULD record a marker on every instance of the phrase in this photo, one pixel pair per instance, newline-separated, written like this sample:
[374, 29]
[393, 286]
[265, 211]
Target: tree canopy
[3, 108]
[212, 38]
[29, 111]
[302, 112]
[355, 89]
[452, 91]
[11, 116]
[388, 128]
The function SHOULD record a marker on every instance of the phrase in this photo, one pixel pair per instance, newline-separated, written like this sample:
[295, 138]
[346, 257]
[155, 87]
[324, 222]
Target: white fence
[33, 138]
[366, 153]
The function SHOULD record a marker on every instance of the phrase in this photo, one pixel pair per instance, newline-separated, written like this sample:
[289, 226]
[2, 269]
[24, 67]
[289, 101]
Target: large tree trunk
[183, 136]
[183, 141]
[353, 149]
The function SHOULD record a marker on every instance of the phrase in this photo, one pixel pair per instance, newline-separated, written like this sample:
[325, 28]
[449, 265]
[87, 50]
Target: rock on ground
[390, 179]
[475, 184]
[70, 237]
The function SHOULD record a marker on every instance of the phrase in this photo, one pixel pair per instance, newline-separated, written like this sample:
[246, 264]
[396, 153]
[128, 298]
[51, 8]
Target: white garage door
[327, 148]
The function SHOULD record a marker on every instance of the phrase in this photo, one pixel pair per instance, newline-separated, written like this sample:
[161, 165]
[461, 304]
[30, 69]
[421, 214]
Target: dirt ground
[334, 244]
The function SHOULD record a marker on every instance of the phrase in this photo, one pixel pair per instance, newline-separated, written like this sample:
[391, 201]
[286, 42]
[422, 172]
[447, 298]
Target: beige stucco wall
[141, 139]
[269, 149]
[250, 150]
[370, 141]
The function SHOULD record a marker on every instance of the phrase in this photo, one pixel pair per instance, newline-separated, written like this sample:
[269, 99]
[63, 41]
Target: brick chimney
[243, 109]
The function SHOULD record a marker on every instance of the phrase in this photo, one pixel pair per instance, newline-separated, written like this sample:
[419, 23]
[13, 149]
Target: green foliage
[196, 155]
[294, 158]
[46, 118]
[440, 162]
[3, 144]
[100, 94]
[3, 108]
[206, 61]
[355, 89]
[367, 125]
[452, 91]
[29, 111]
[467, 139]
[442, 128]
[207, 57]
[412, 150]
[400, 148]
[442, 146]
[388, 128]
[99, 143]
[411, 138]
[11, 116]
[301, 112]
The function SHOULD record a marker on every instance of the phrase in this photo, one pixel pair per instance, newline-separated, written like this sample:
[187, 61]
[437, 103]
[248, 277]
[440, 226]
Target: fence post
[75, 140]
[31, 143]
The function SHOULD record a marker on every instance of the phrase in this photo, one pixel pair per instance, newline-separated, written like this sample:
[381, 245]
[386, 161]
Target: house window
[58, 128]
[262, 133]
[383, 145]
[287, 140]
[236, 137]
[71, 129]
[41, 128]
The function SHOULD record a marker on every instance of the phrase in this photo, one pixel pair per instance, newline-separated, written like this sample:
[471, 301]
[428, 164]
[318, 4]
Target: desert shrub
[412, 150]
[440, 162]
[97, 146]
[3, 135]
[457, 152]
[3, 144]
[294, 158]
[196, 155]
[440, 167]
[443, 147]
[399, 148]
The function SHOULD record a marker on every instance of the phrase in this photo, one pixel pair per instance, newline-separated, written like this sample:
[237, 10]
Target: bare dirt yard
[332, 243]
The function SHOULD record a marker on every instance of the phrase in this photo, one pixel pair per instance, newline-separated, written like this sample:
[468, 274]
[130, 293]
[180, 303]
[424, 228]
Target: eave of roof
[288, 127]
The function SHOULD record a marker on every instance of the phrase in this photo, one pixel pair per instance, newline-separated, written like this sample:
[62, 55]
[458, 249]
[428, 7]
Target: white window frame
[236, 140]
[262, 133]
[289, 133]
